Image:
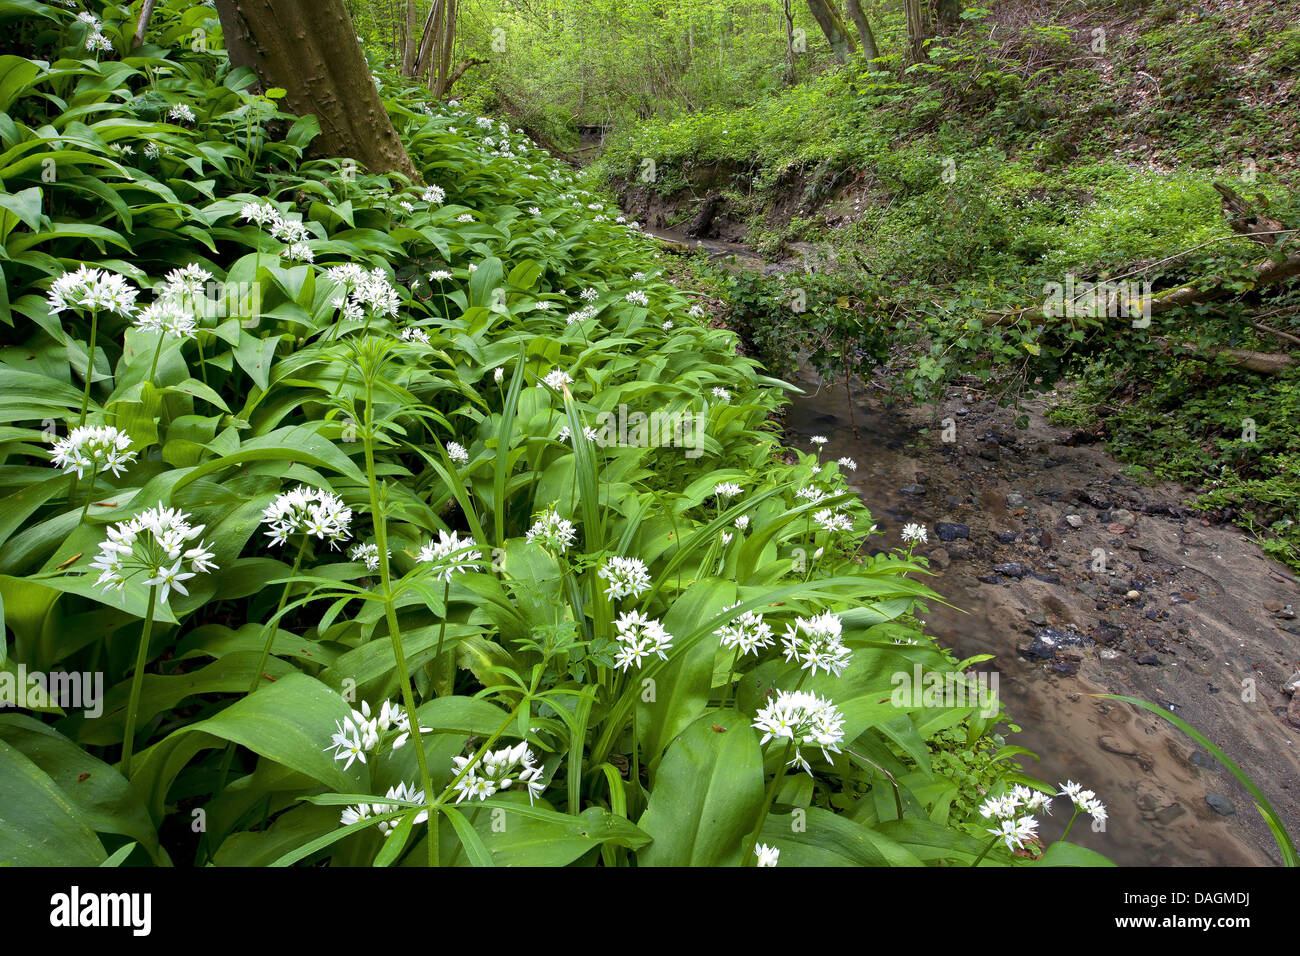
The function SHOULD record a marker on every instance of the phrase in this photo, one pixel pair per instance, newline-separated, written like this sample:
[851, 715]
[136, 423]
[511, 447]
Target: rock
[1124, 517]
[913, 489]
[1201, 759]
[1005, 537]
[1106, 654]
[1292, 685]
[951, 531]
[959, 551]
[988, 452]
[1293, 712]
[1117, 528]
[1132, 595]
[1036, 617]
[1074, 521]
[989, 579]
[1220, 804]
[1150, 660]
[939, 558]
[1011, 569]
[1015, 500]
[1048, 641]
[1046, 578]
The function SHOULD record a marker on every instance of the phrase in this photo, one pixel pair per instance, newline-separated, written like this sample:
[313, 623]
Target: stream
[1011, 568]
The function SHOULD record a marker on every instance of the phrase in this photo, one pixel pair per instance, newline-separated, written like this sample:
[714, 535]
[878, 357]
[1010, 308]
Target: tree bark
[310, 49]
[918, 30]
[832, 24]
[146, 14]
[408, 39]
[865, 34]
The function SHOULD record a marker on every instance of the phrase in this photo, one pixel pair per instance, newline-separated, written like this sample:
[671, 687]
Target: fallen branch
[1265, 363]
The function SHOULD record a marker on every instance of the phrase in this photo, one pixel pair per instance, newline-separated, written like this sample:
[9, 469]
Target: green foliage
[225, 686]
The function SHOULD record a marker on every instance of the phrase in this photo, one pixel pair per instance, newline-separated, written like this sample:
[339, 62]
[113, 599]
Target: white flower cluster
[498, 770]
[830, 520]
[726, 489]
[172, 312]
[364, 811]
[92, 289]
[181, 113]
[434, 194]
[582, 315]
[767, 855]
[95, 39]
[640, 636]
[637, 297]
[552, 532]
[555, 379]
[359, 733]
[366, 292]
[310, 511]
[368, 553]
[721, 394]
[97, 447]
[805, 720]
[291, 232]
[1015, 827]
[749, 633]
[450, 554]
[817, 642]
[154, 543]
[1084, 800]
[626, 577]
[914, 532]
[415, 335]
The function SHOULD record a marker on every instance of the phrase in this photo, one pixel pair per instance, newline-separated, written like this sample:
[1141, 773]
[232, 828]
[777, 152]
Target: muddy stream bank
[1180, 611]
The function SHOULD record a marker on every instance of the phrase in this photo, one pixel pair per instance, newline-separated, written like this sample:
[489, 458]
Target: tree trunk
[787, 16]
[837, 33]
[408, 39]
[448, 43]
[918, 30]
[146, 13]
[432, 30]
[310, 49]
[865, 34]
[948, 14]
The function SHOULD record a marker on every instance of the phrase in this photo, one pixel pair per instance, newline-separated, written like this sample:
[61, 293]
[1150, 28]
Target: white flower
[439, 275]
[589, 295]
[638, 277]
[626, 576]
[726, 489]
[767, 855]
[1084, 800]
[310, 511]
[830, 520]
[818, 439]
[407, 794]
[187, 282]
[668, 324]
[181, 112]
[457, 453]
[97, 447]
[434, 194]
[696, 312]
[369, 553]
[498, 374]
[742, 522]
[637, 297]
[1015, 833]
[155, 544]
[817, 642]
[749, 633]
[804, 720]
[555, 379]
[639, 637]
[914, 532]
[406, 206]
[848, 463]
[552, 532]
[300, 251]
[465, 217]
[359, 733]
[167, 315]
[415, 335]
[93, 289]
[498, 770]
[721, 394]
[451, 554]
[810, 493]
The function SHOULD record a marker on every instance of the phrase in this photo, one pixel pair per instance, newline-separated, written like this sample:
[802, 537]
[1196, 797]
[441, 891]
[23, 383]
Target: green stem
[394, 632]
[437, 654]
[273, 624]
[768, 799]
[153, 369]
[90, 495]
[985, 851]
[90, 365]
[137, 683]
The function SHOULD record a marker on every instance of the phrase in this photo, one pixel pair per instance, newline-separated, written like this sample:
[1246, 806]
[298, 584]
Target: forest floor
[1181, 611]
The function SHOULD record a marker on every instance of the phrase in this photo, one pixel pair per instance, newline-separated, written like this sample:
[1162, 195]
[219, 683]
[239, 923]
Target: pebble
[1220, 804]
[951, 531]
[913, 489]
[1124, 517]
[1074, 521]
[1011, 569]
[1132, 595]
[1015, 500]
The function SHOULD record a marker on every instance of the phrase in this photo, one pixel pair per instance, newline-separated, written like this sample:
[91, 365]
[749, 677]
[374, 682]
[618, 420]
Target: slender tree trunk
[918, 29]
[837, 33]
[432, 30]
[448, 44]
[408, 39]
[865, 34]
[146, 13]
[787, 16]
[310, 49]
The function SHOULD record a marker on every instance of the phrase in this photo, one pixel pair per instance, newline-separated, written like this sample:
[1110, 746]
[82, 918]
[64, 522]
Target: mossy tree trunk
[827, 15]
[310, 49]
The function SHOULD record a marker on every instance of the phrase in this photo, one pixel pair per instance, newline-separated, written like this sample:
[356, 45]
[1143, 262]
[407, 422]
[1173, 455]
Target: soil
[1187, 614]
